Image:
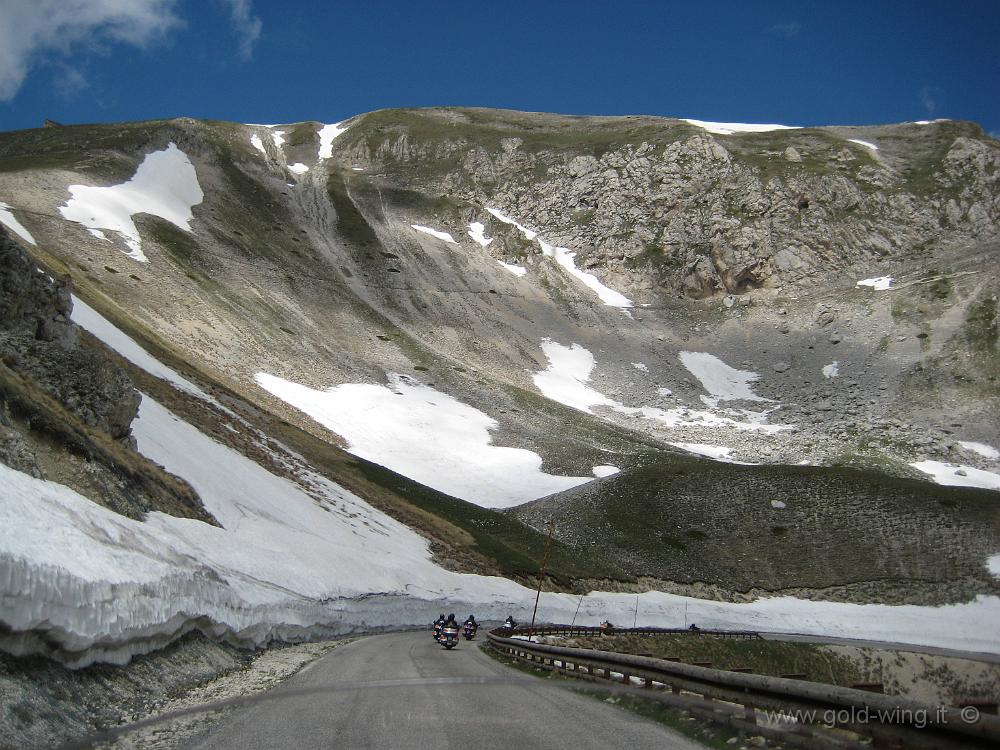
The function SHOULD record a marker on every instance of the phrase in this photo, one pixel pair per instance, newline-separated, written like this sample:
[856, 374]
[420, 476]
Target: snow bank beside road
[293, 564]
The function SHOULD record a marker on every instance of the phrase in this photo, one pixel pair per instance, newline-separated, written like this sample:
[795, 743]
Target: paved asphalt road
[420, 696]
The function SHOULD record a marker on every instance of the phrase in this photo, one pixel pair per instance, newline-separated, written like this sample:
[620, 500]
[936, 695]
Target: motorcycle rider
[450, 622]
[470, 626]
[510, 623]
[438, 624]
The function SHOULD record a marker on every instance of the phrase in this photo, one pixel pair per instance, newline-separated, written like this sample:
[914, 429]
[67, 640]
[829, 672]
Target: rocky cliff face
[656, 206]
[66, 409]
[40, 342]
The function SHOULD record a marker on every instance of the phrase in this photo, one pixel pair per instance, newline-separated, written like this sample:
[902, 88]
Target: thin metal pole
[577, 611]
[636, 620]
[541, 575]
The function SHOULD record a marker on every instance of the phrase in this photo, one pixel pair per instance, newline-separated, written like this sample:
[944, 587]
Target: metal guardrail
[587, 631]
[889, 720]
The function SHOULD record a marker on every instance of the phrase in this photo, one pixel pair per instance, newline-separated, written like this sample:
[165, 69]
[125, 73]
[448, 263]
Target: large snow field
[565, 258]
[733, 128]
[567, 378]
[10, 221]
[958, 476]
[426, 435]
[164, 185]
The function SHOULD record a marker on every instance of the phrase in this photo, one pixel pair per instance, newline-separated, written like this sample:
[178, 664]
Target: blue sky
[797, 63]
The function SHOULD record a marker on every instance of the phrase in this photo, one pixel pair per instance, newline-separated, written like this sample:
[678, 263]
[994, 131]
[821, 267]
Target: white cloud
[787, 30]
[929, 99]
[246, 25]
[32, 30]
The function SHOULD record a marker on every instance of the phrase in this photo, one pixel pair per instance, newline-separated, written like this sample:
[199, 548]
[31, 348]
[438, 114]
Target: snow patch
[725, 383]
[986, 451]
[718, 452]
[879, 283]
[164, 185]
[640, 367]
[114, 338]
[778, 505]
[258, 144]
[426, 435]
[477, 231]
[278, 136]
[866, 144]
[298, 168]
[566, 380]
[958, 476]
[435, 233]
[993, 565]
[732, 128]
[529, 234]
[10, 221]
[327, 134]
[605, 471]
[516, 270]
[831, 370]
[565, 258]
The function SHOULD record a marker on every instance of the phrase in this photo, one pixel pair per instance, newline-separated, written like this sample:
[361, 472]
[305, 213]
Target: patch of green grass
[840, 526]
[517, 550]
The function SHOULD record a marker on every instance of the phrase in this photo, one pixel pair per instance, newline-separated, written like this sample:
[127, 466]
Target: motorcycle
[449, 637]
[469, 630]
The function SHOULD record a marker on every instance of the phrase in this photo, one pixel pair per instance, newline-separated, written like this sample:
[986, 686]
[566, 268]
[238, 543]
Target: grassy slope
[699, 521]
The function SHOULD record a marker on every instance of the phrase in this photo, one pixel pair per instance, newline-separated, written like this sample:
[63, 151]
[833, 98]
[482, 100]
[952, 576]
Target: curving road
[402, 690]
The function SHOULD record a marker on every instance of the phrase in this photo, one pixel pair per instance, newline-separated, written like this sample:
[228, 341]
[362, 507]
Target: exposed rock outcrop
[660, 205]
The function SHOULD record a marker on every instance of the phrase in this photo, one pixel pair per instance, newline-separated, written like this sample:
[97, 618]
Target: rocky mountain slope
[452, 312]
